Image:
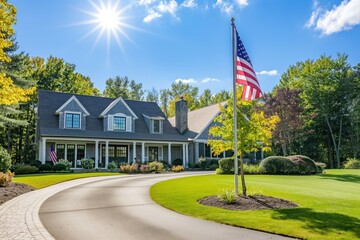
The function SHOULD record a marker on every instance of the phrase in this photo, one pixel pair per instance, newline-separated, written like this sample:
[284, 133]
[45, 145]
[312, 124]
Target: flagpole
[236, 167]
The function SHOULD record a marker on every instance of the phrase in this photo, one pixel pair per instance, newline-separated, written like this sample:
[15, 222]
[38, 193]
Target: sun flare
[108, 20]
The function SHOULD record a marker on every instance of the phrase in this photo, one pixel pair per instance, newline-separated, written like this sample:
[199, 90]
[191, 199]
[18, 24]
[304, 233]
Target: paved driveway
[120, 208]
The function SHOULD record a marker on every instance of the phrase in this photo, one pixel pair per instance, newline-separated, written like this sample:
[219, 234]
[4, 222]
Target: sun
[108, 19]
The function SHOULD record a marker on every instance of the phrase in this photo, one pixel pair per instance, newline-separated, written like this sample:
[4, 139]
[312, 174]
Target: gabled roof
[48, 122]
[199, 119]
[69, 101]
[154, 117]
[114, 103]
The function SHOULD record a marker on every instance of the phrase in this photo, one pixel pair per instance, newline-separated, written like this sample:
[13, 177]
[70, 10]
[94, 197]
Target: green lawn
[329, 203]
[45, 180]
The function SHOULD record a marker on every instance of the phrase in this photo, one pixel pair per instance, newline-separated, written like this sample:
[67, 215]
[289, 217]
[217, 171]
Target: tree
[165, 97]
[254, 130]
[123, 87]
[205, 98]
[179, 89]
[152, 96]
[285, 103]
[221, 96]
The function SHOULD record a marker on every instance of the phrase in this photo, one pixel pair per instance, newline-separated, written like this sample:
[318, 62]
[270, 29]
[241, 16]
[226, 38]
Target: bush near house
[178, 168]
[226, 166]
[87, 163]
[177, 162]
[352, 163]
[66, 163]
[21, 168]
[112, 165]
[60, 167]
[47, 167]
[5, 160]
[156, 166]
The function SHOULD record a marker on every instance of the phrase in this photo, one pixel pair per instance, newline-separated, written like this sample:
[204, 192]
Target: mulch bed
[249, 203]
[13, 190]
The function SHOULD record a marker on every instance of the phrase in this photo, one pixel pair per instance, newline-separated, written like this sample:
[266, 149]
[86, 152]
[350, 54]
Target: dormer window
[156, 126]
[72, 120]
[119, 123]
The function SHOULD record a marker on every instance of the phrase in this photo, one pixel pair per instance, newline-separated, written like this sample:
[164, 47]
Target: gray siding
[119, 108]
[205, 134]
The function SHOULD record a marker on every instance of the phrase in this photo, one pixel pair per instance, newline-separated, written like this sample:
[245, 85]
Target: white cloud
[242, 3]
[189, 4]
[146, 2]
[186, 81]
[206, 80]
[151, 16]
[168, 7]
[268, 73]
[339, 18]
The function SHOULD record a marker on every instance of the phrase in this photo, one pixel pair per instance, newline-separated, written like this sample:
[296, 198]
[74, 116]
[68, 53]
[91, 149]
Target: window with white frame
[119, 123]
[72, 120]
[156, 126]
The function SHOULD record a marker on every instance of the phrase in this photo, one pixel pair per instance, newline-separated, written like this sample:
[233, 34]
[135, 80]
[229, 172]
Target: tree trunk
[243, 185]
[330, 152]
[9, 139]
[336, 146]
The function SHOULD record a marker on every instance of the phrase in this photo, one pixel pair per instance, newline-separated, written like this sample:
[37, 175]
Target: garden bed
[13, 190]
[249, 203]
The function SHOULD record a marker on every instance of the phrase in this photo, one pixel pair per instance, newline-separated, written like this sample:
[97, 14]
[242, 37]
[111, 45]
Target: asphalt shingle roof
[50, 101]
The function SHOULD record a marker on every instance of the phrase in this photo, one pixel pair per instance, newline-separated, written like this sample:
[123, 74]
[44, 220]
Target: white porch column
[187, 155]
[134, 152]
[43, 150]
[106, 154]
[169, 153]
[196, 152]
[142, 152]
[97, 154]
[184, 155]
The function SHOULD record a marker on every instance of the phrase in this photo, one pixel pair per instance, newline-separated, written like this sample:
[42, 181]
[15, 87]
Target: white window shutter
[161, 126]
[160, 153]
[128, 124]
[110, 122]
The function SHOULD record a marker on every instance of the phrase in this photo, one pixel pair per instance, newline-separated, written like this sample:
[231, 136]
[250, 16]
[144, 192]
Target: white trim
[152, 126]
[113, 104]
[71, 112]
[112, 140]
[68, 101]
[156, 118]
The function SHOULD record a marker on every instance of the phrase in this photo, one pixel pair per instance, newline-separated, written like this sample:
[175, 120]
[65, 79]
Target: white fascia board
[68, 101]
[113, 104]
[154, 118]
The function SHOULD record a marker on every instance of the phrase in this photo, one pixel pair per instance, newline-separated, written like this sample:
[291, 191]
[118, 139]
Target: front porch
[103, 151]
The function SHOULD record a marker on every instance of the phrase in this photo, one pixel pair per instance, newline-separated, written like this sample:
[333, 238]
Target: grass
[45, 180]
[329, 203]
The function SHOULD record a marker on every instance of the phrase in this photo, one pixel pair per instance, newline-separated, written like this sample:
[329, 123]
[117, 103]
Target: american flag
[52, 154]
[245, 74]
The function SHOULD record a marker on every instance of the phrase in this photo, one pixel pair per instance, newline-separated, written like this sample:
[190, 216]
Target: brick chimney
[181, 115]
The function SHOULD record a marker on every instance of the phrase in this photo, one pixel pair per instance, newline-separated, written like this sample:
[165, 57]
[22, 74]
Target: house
[108, 129]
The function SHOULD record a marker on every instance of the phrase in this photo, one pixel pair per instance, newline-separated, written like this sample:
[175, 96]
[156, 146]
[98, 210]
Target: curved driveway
[120, 208]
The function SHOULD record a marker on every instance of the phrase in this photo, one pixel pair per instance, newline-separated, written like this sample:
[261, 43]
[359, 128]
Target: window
[111, 151]
[60, 151]
[72, 120]
[119, 123]
[80, 152]
[156, 126]
[207, 150]
[70, 153]
[121, 151]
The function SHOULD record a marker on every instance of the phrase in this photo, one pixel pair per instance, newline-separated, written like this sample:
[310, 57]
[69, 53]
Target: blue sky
[188, 40]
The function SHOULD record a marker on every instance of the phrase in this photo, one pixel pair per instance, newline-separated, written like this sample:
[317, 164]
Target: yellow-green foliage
[178, 168]
[6, 178]
[227, 195]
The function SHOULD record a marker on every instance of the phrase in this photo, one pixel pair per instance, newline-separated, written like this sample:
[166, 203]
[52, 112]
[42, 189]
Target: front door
[153, 154]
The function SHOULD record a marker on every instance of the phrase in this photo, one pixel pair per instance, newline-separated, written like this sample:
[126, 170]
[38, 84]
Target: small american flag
[52, 154]
[245, 74]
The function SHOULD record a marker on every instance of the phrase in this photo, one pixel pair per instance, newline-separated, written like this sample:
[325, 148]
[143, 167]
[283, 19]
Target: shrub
[156, 166]
[59, 167]
[177, 162]
[6, 178]
[145, 168]
[213, 167]
[278, 165]
[301, 166]
[178, 168]
[320, 167]
[25, 169]
[5, 160]
[227, 195]
[112, 165]
[352, 163]
[254, 191]
[87, 163]
[227, 165]
[252, 169]
[46, 167]
[309, 166]
[219, 171]
[66, 163]
[127, 168]
[202, 162]
[165, 164]
[35, 163]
